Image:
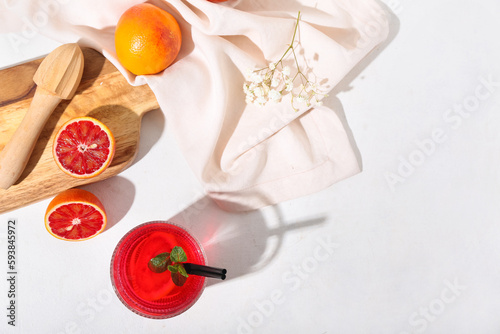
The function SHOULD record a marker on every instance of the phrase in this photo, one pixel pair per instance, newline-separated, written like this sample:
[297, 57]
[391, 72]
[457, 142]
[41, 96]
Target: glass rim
[148, 306]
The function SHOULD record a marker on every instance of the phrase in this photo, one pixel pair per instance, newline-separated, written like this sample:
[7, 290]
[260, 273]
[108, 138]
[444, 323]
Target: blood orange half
[75, 215]
[83, 147]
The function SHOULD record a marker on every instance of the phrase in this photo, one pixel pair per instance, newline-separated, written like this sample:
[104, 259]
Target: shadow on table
[107, 191]
[242, 243]
[345, 84]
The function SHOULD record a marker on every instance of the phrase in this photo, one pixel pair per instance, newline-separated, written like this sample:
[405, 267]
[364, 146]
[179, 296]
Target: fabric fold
[246, 156]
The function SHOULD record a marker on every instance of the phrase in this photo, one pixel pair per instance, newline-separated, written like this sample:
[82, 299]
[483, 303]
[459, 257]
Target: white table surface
[410, 245]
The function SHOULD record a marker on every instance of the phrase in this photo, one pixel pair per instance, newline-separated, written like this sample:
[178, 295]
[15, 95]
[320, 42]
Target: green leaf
[178, 273]
[178, 255]
[178, 278]
[182, 270]
[160, 263]
[173, 262]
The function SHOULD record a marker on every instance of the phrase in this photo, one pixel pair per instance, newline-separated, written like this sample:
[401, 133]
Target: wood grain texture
[57, 78]
[103, 94]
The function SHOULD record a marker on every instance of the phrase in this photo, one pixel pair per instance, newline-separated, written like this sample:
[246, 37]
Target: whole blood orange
[75, 215]
[147, 39]
[83, 147]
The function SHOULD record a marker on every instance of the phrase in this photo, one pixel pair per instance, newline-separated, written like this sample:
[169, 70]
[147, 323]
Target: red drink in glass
[150, 294]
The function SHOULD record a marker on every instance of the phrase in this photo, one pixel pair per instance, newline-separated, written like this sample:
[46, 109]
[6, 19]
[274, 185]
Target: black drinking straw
[206, 271]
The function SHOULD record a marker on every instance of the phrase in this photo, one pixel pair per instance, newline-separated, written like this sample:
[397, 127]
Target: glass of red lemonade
[150, 294]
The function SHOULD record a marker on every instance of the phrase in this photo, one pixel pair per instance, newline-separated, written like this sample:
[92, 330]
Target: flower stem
[273, 81]
[291, 47]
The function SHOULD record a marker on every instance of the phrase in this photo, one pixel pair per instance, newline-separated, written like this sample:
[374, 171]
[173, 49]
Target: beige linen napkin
[246, 156]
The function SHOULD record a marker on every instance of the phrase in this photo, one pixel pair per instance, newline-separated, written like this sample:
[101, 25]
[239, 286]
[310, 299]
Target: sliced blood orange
[75, 215]
[83, 147]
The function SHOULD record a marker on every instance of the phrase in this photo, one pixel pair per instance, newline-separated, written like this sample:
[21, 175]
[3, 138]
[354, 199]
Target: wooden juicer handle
[57, 78]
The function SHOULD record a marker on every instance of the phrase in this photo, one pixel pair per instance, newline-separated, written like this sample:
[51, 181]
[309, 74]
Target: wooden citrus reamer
[57, 79]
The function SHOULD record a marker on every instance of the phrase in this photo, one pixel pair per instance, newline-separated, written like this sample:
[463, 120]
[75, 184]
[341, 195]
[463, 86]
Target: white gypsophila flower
[301, 98]
[274, 95]
[261, 100]
[259, 92]
[249, 90]
[275, 82]
[286, 71]
[265, 88]
[256, 78]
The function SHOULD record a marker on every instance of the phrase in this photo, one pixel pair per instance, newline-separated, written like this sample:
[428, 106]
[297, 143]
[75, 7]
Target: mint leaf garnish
[178, 273]
[178, 268]
[182, 270]
[178, 255]
[177, 277]
[160, 263]
[173, 262]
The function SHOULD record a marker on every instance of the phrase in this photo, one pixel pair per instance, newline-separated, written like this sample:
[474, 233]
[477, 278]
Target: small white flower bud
[301, 98]
[274, 95]
[286, 71]
[261, 100]
[256, 78]
[259, 91]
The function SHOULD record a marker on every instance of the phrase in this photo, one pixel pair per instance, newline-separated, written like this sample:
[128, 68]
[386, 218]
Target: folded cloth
[245, 155]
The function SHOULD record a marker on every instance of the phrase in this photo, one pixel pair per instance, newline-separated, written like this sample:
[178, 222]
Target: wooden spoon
[57, 78]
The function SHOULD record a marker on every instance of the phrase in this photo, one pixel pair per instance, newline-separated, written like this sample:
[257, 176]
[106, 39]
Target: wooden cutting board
[103, 94]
